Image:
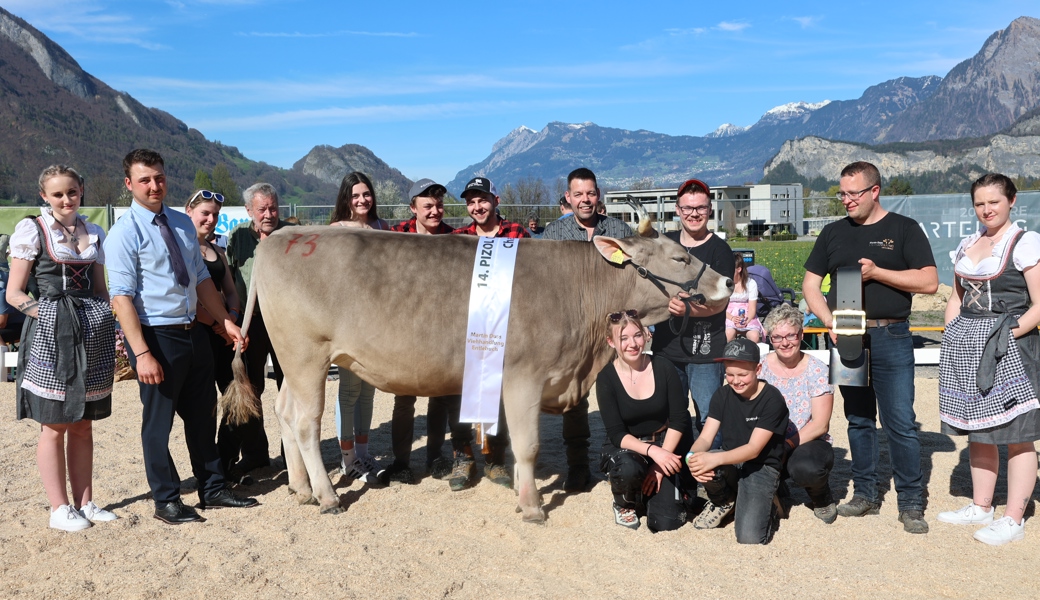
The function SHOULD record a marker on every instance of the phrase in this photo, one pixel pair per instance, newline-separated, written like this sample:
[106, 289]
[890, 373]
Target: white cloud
[807, 22]
[84, 19]
[733, 25]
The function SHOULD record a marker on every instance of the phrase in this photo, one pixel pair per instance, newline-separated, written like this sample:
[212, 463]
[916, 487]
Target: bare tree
[531, 190]
[646, 183]
[387, 192]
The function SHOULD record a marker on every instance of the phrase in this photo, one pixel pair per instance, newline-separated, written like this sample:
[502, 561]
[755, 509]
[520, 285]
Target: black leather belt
[872, 323]
[178, 326]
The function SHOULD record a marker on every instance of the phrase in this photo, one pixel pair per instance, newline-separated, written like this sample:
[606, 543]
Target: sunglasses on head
[615, 317]
[207, 195]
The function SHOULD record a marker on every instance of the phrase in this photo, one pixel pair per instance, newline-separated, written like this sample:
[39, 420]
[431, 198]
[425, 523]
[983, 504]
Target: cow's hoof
[306, 499]
[534, 515]
[331, 510]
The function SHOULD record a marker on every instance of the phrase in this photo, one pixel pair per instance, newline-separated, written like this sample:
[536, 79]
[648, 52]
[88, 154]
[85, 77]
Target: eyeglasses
[615, 317]
[852, 195]
[701, 210]
[207, 195]
[791, 337]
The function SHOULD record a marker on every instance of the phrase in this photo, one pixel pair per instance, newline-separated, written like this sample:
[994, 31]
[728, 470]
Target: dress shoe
[175, 513]
[225, 499]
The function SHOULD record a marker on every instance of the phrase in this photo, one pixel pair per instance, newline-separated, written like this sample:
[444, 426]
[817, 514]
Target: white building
[752, 208]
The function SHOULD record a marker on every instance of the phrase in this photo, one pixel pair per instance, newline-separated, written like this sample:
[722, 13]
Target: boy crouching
[743, 476]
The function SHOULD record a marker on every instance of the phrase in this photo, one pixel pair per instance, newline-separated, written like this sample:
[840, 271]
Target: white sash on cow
[490, 294]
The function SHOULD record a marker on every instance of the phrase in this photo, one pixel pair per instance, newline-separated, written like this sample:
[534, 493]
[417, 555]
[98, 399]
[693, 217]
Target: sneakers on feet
[913, 521]
[440, 467]
[358, 471]
[626, 517]
[712, 515]
[858, 507]
[374, 470]
[972, 514]
[463, 474]
[67, 518]
[499, 474]
[92, 513]
[1002, 531]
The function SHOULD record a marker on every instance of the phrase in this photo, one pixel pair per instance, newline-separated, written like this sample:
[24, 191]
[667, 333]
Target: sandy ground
[424, 541]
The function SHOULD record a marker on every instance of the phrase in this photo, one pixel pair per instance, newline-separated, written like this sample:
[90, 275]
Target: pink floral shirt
[799, 392]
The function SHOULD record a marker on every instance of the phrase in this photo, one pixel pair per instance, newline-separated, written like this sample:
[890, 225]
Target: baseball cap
[480, 184]
[741, 349]
[426, 187]
[693, 183]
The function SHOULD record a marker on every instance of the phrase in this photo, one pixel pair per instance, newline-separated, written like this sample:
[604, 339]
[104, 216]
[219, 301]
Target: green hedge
[784, 259]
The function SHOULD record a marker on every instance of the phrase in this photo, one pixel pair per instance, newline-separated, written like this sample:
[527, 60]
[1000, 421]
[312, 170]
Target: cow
[404, 332]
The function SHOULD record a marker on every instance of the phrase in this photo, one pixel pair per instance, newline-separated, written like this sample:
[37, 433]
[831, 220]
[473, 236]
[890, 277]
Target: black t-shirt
[623, 414]
[704, 338]
[895, 242]
[739, 417]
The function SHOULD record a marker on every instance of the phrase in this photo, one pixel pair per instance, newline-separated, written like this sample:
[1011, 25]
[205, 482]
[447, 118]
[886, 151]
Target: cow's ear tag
[618, 257]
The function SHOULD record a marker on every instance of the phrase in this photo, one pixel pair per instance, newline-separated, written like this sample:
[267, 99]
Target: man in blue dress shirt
[156, 276]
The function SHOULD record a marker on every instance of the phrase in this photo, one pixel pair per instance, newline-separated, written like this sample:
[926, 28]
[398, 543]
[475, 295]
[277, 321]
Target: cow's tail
[239, 403]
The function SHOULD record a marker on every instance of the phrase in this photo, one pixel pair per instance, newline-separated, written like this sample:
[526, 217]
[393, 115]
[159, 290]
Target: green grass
[784, 259]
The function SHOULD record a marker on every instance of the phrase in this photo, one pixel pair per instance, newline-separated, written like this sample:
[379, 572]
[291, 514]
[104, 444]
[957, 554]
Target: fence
[454, 214]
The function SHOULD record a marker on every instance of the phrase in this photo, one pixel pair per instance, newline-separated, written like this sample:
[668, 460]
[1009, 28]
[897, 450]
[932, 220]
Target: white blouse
[1027, 253]
[25, 241]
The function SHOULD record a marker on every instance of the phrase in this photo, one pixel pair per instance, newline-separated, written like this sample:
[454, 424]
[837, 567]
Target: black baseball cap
[741, 349]
[426, 187]
[480, 184]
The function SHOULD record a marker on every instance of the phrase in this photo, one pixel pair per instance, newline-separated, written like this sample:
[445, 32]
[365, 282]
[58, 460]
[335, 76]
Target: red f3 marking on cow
[310, 242]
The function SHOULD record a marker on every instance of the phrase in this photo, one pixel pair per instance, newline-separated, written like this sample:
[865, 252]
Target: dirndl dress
[66, 361]
[988, 378]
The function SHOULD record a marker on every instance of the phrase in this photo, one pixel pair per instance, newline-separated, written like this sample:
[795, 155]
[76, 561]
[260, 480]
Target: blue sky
[430, 86]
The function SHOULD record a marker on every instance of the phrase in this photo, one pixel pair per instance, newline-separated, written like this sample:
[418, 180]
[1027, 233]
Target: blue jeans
[702, 380]
[891, 393]
[753, 487]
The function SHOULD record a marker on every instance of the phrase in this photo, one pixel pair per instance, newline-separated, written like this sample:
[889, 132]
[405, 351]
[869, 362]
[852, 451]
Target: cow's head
[668, 267]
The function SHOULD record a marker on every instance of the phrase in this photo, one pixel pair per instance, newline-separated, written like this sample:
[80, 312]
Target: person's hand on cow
[235, 334]
[149, 371]
[668, 462]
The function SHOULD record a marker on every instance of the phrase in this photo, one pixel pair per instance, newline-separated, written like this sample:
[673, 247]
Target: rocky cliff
[330, 165]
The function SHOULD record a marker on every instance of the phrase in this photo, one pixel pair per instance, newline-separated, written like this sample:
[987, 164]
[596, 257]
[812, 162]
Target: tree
[388, 193]
[203, 181]
[646, 183]
[224, 184]
[898, 186]
[103, 190]
[531, 190]
[509, 195]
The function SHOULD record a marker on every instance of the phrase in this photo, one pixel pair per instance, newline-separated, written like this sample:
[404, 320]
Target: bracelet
[142, 354]
[234, 312]
[648, 447]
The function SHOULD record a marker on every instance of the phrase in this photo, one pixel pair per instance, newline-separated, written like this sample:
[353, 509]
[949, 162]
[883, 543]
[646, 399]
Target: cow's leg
[522, 409]
[308, 391]
[299, 483]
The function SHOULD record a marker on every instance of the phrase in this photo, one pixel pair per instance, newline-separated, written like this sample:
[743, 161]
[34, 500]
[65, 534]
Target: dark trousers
[809, 466]
[249, 438]
[576, 434]
[753, 488]
[188, 391]
[443, 413]
[626, 470]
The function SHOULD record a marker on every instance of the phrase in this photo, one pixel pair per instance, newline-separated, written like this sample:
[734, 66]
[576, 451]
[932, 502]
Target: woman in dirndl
[989, 367]
[67, 357]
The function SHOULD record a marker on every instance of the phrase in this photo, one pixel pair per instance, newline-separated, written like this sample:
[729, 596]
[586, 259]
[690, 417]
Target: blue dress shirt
[139, 266]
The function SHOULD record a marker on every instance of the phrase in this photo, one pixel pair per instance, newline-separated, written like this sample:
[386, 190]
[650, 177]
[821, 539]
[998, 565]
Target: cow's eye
[682, 258]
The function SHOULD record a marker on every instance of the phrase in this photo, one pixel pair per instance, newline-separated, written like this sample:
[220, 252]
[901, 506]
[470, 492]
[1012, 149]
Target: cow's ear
[611, 249]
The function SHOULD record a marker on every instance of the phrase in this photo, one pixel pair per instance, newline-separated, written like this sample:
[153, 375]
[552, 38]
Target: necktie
[179, 270]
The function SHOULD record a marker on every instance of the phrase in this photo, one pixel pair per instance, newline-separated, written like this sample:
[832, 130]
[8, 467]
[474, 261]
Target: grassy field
[784, 259]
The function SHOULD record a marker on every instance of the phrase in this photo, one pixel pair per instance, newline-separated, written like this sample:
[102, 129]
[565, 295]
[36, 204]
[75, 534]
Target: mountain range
[981, 116]
[981, 96]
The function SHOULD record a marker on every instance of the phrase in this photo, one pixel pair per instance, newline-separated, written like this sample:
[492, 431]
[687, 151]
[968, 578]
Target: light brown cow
[404, 332]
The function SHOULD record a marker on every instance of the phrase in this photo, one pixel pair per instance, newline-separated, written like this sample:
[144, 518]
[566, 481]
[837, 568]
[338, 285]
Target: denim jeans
[753, 487]
[702, 379]
[891, 394]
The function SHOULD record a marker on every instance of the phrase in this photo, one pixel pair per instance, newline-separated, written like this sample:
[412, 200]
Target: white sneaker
[67, 518]
[972, 514]
[358, 471]
[1003, 531]
[97, 515]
